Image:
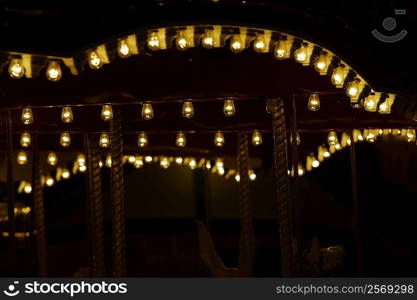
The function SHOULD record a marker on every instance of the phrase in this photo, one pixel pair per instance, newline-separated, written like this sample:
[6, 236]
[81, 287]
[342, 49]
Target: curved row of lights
[283, 46]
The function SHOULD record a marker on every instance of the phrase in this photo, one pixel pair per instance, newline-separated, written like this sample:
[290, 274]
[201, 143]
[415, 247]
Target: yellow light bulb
[65, 174]
[181, 41]
[82, 168]
[219, 139]
[138, 162]
[220, 171]
[22, 158]
[131, 159]
[219, 163]
[148, 159]
[123, 49]
[315, 163]
[25, 139]
[153, 41]
[53, 71]
[66, 114]
[332, 138]
[281, 50]
[229, 108]
[28, 188]
[49, 181]
[107, 112]
[192, 163]
[81, 159]
[207, 39]
[178, 160]
[256, 138]
[338, 76]
[300, 170]
[252, 175]
[181, 140]
[52, 159]
[371, 136]
[94, 61]
[314, 102]
[208, 165]
[108, 161]
[411, 135]
[371, 103]
[237, 177]
[142, 139]
[259, 43]
[16, 69]
[236, 44]
[300, 54]
[164, 162]
[27, 116]
[353, 88]
[104, 141]
[147, 111]
[187, 109]
[321, 64]
[65, 139]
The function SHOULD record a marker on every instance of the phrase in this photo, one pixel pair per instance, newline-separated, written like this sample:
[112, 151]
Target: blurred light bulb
[181, 41]
[219, 139]
[107, 112]
[65, 174]
[28, 188]
[314, 102]
[338, 76]
[207, 39]
[298, 139]
[192, 163]
[104, 141]
[219, 163]
[281, 50]
[411, 135]
[237, 177]
[208, 165]
[153, 41]
[65, 139]
[81, 159]
[82, 168]
[321, 64]
[164, 162]
[371, 103]
[220, 171]
[178, 160]
[49, 181]
[315, 163]
[188, 109]
[300, 170]
[259, 43]
[181, 140]
[27, 116]
[142, 139]
[53, 71]
[229, 108]
[94, 61]
[353, 88]
[138, 162]
[108, 161]
[16, 69]
[332, 138]
[22, 158]
[147, 111]
[66, 114]
[252, 175]
[148, 159]
[123, 49]
[25, 139]
[256, 138]
[236, 44]
[301, 54]
[371, 137]
[131, 159]
[52, 159]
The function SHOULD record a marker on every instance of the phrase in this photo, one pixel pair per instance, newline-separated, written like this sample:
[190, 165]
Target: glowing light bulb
[338, 76]
[65, 174]
[371, 103]
[411, 135]
[164, 162]
[236, 44]
[192, 163]
[229, 108]
[208, 165]
[371, 136]
[256, 138]
[148, 159]
[301, 170]
[147, 111]
[207, 39]
[259, 43]
[297, 139]
[107, 112]
[131, 159]
[25, 139]
[65, 139]
[181, 140]
[82, 168]
[22, 158]
[300, 54]
[178, 160]
[28, 188]
[219, 163]
[53, 71]
[138, 162]
[123, 49]
[49, 181]
[237, 177]
[81, 159]
[315, 163]
[52, 159]
[153, 41]
[142, 139]
[108, 161]
[104, 141]
[321, 64]
[252, 175]
[94, 61]
[66, 114]
[187, 109]
[281, 50]
[332, 138]
[220, 171]
[219, 139]
[353, 88]
[326, 153]
[27, 116]
[314, 102]
[181, 41]
[16, 69]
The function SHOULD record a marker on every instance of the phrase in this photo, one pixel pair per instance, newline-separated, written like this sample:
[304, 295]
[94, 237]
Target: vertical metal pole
[247, 235]
[356, 209]
[10, 194]
[38, 210]
[117, 196]
[94, 208]
[276, 108]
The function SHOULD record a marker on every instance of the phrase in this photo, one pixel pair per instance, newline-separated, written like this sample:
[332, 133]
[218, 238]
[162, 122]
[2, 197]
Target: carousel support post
[10, 194]
[276, 108]
[38, 210]
[94, 208]
[247, 236]
[356, 214]
[117, 196]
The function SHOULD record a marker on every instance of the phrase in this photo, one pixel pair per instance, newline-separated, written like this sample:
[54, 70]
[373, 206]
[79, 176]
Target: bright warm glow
[236, 44]
[315, 163]
[180, 140]
[188, 109]
[123, 49]
[107, 112]
[108, 161]
[82, 168]
[66, 114]
[138, 162]
[49, 181]
[208, 40]
[28, 188]
[411, 135]
[16, 69]
[65, 139]
[192, 163]
[338, 146]
[104, 141]
[52, 159]
[179, 160]
[259, 44]
[252, 175]
[301, 54]
[221, 171]
[326, 153]
[164, 162]
[332, 138]
[65, 174]
[27, 116]
[181, 41]
[314, 102]
[237, 177]
[219, 163]
[371, 103]
[153, 41]
[208, 165]
[281, 50]
[81, 159]
[148, 159]
[338, 76]
[131, 159]
[142, 140]
[94, 60]
[25, 139]
[321, 64]
[353, 88]
[300, 170]
[53, 71]
[22, 158]
[229, 108]
[219, 139]
[256, 138]
[147, 111]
